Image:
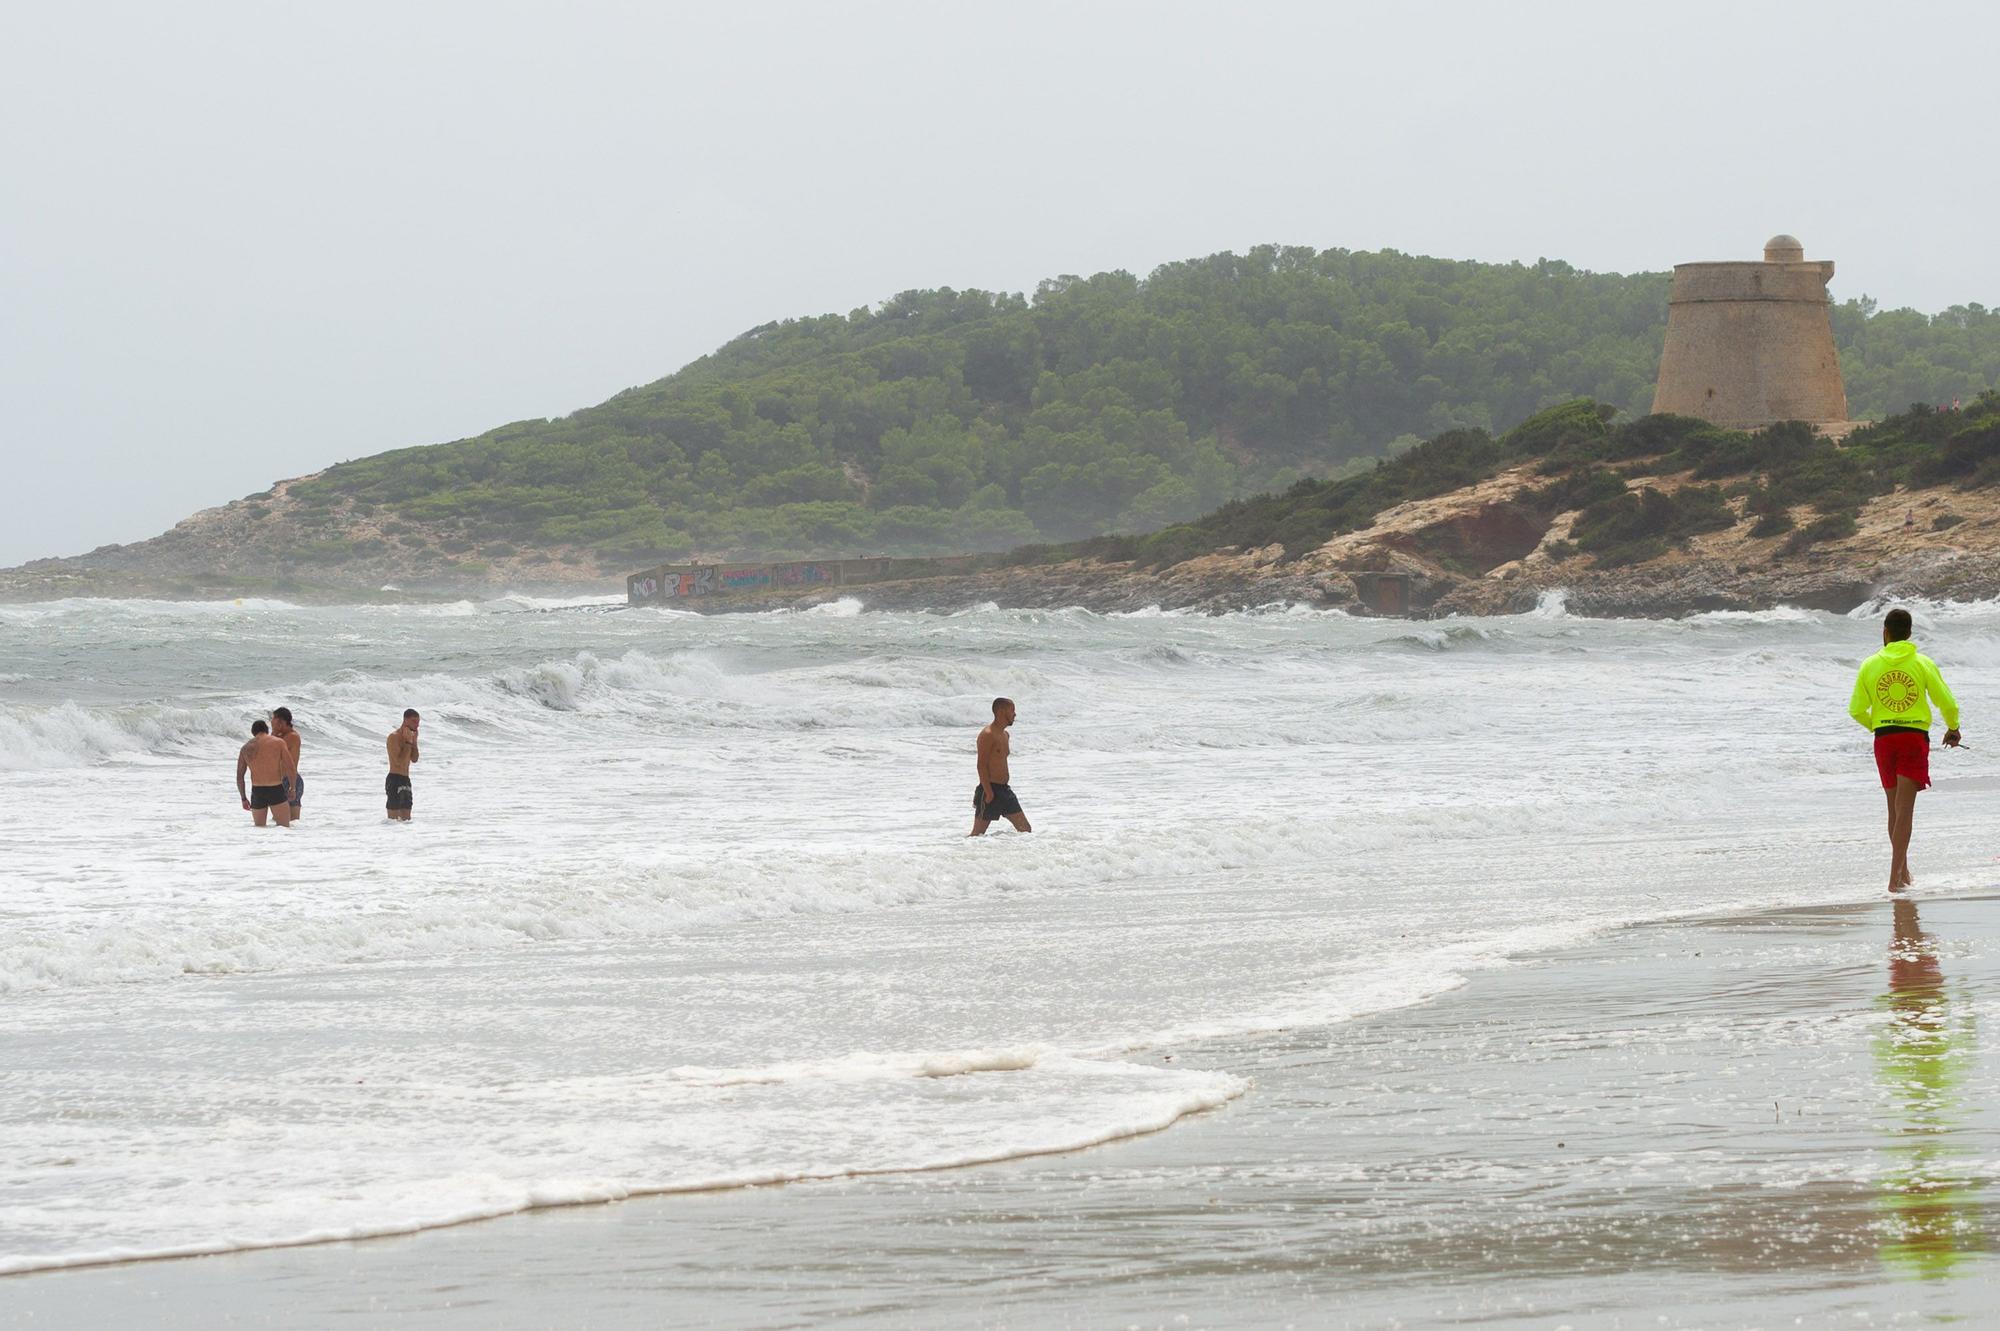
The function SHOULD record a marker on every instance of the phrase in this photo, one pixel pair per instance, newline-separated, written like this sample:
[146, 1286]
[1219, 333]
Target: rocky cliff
[1487, 550]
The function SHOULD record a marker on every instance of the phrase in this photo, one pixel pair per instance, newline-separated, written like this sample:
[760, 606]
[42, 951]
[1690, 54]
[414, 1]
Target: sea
[687, 901]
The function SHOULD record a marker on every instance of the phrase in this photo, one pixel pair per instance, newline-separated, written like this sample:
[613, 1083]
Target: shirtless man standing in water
[271, 768]
[402, 752]
[993, 797]
[281, 726]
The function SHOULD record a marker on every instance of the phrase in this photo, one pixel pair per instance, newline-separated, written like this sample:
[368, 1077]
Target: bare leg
[282, 814]
[1889, 799]
[257, 816]
[1020, 821]
[979, 825]
[1902, 821]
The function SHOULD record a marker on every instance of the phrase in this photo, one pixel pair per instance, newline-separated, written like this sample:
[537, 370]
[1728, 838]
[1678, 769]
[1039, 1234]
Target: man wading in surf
[295, 789]
[402, 752]
[1889, 701]
[271, 770]
[993, 797]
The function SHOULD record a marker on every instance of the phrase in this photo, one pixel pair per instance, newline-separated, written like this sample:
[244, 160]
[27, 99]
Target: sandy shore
[1725, 1122]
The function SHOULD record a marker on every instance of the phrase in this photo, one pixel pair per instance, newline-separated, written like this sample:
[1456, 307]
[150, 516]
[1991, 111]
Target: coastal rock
[1488, 548]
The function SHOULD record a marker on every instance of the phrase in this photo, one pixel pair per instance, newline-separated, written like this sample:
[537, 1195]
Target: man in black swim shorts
[402, 752]
[281, 726]
[993, 797]
[268, 763]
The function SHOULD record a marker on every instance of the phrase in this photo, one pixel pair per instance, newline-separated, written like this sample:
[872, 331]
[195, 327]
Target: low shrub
[1632, 528]
[1775, 523]
[1828, 527]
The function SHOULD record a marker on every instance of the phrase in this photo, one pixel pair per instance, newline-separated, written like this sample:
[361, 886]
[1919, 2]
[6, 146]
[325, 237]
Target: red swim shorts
[1903, 753]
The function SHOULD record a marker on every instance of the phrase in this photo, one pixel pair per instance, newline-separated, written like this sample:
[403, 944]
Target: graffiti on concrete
[802, 574]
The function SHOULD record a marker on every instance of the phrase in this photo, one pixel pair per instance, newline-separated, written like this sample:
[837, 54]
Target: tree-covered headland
[964, 420]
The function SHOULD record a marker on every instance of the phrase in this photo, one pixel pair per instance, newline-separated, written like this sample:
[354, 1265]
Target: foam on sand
[402, 1160]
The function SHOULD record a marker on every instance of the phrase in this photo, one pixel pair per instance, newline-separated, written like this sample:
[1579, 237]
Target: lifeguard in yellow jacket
[1891, 699]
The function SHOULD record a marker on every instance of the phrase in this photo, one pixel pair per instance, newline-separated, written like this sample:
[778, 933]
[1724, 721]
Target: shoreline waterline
[1603, 984]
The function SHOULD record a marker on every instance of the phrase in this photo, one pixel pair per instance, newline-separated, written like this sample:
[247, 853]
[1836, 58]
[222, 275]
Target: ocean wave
[69, 735]
[1151, 612]
[500, 906]
[846, 607]
[705, 686]
[1782, 614]
[582, 1141]
[139, 608]
[1927, 611]
[516, 601]
[354, 709]
[1446, 637]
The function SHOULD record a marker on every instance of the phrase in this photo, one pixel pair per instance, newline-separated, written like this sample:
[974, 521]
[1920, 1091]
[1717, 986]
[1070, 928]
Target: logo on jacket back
[1897, 691]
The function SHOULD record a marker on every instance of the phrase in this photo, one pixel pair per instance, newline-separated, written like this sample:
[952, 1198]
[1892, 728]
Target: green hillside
[949, 420]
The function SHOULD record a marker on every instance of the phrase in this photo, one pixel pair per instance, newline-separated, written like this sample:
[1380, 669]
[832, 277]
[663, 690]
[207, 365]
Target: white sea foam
[845, 607]
[67, 735]
[1783, 614]
[598, 1140]
[523, 601]
[1552, 604]
[687, 900]
[1928, 612]
[499, 905]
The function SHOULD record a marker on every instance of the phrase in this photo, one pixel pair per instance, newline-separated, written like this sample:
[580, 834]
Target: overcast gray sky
[240, 241]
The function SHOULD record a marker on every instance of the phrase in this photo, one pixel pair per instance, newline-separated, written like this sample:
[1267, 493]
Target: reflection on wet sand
[1923, 1055]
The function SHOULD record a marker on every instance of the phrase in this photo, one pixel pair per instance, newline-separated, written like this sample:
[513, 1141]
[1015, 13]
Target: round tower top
[1782, 248]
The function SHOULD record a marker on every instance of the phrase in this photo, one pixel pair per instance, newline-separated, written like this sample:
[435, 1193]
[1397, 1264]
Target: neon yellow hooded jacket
[1891, 688]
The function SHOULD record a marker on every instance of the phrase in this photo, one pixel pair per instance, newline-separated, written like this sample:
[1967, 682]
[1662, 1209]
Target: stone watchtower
[1749, 344]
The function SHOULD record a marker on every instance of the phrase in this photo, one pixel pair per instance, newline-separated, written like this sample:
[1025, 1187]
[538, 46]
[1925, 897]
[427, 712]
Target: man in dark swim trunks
[993, 797]
[269, 764]
[281, 726]
[402, 752]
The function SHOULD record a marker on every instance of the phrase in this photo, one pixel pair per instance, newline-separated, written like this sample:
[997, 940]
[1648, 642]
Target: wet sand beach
[1734, 1121]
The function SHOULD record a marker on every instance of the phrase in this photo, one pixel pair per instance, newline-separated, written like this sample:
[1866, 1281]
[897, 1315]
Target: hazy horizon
[244, 245]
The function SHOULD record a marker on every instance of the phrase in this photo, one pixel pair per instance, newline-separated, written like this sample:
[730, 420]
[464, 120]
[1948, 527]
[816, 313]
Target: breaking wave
[499, 906]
